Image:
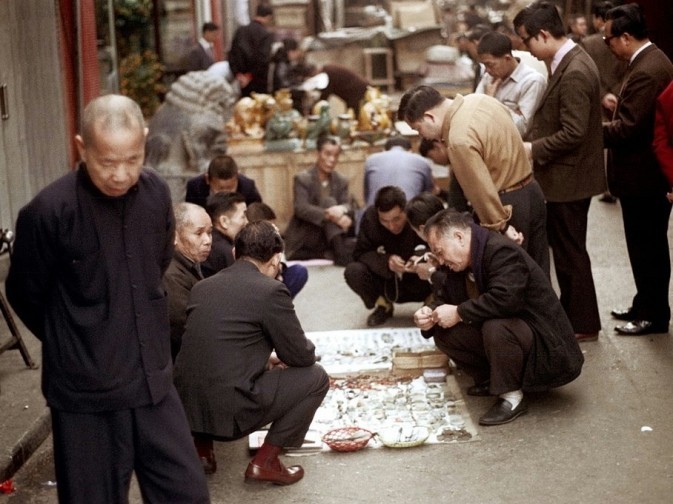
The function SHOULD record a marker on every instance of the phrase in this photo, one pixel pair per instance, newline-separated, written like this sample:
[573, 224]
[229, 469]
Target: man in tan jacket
[487, 159]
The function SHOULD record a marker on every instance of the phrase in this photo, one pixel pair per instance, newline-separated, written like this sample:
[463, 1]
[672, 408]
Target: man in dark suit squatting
[497, 316]
[246, 363]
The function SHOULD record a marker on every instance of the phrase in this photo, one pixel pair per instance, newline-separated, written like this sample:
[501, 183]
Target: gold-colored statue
[250, 116]
[374, 112]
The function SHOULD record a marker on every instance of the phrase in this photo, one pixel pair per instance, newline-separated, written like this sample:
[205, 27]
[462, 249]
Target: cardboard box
[413, 15]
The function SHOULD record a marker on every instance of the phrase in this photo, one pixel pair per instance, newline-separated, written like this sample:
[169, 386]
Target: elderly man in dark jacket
[85, 278]
[497, 316]
[193, 241]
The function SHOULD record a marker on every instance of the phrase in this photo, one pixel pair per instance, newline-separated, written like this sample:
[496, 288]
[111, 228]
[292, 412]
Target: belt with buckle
[518, 185]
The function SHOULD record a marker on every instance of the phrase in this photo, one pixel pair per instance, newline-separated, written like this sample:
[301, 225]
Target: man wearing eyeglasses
[634, 174]
[565, 144]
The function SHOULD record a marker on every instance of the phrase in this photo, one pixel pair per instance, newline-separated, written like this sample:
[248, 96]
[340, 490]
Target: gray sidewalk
[582, 443]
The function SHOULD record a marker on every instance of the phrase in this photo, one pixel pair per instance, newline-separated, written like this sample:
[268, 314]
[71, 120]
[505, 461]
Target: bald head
[112, 143]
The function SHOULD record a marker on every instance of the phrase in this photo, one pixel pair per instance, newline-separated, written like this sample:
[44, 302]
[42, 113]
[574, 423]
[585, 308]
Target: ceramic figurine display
[250, 117]
[318, 123]
[283, 128]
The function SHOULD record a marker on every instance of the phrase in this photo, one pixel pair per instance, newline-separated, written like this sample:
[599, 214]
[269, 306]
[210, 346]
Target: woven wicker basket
[347, 439]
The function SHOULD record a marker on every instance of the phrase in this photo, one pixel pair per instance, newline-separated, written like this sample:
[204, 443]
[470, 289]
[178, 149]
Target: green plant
[141, 80]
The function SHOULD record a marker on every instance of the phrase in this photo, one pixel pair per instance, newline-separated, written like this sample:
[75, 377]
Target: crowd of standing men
[97, 250]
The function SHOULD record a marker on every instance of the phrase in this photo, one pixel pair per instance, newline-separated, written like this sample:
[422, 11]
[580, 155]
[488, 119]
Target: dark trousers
[95, 455]
[294, 278]
[369, 286]
[567, 231]
[646, 230]
[299, 394]
[497, 352]
[529, 216]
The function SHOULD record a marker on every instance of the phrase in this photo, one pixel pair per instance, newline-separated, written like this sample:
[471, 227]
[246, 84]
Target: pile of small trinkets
[379, 403]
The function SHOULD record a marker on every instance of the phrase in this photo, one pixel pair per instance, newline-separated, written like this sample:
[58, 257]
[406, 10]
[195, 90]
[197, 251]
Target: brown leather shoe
[284, 476]
[582, 337]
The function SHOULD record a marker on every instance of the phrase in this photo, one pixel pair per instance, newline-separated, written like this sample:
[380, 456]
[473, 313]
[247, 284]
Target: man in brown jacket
[634, 174]
[566, 147]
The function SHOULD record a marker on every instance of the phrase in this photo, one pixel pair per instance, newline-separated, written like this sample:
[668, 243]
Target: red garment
[663, 132]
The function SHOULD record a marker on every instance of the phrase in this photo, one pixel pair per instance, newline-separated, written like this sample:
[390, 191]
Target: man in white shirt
[507, 79]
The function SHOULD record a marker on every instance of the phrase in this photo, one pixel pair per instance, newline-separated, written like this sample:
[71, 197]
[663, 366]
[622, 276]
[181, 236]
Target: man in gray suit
[200, 56]
[634, 174]
[565, 144]
[246, 363]
[323, 216]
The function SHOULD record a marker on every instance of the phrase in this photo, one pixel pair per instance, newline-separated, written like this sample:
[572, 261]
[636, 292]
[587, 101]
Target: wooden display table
[273, 172]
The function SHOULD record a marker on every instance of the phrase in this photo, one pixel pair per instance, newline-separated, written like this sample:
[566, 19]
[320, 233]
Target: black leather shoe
[623, 314]
[379, 316]
[501, 412]
[641, 327]
[479, 389]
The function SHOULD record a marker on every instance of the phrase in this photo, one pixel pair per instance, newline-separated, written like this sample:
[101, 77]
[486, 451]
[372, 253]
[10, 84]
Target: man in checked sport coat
[634, 174]
[565, 144]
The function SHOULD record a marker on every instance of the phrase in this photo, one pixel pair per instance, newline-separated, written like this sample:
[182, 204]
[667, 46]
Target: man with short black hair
[488, 160]
[228, 214]
[250, 53]
[222, 177]
[634, 175]
[510, 81]
[565, 145]
[380, 274]
[245, 361]
[201, 55]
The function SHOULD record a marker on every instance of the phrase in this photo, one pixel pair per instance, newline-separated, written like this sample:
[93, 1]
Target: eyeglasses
[608, 39]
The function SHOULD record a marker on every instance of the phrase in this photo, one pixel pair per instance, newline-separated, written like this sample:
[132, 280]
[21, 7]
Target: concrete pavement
[582, 443]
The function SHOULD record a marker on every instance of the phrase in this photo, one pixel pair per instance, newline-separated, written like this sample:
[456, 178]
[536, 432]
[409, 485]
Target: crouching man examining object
[497, 316]
[247, 363]
[381, 273]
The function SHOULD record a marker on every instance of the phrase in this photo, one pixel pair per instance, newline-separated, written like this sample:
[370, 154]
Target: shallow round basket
[347, 439]
[398, 437]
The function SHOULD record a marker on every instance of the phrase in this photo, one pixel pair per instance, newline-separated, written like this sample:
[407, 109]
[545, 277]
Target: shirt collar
[563, 50]
[635, 54]
[205, 44]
